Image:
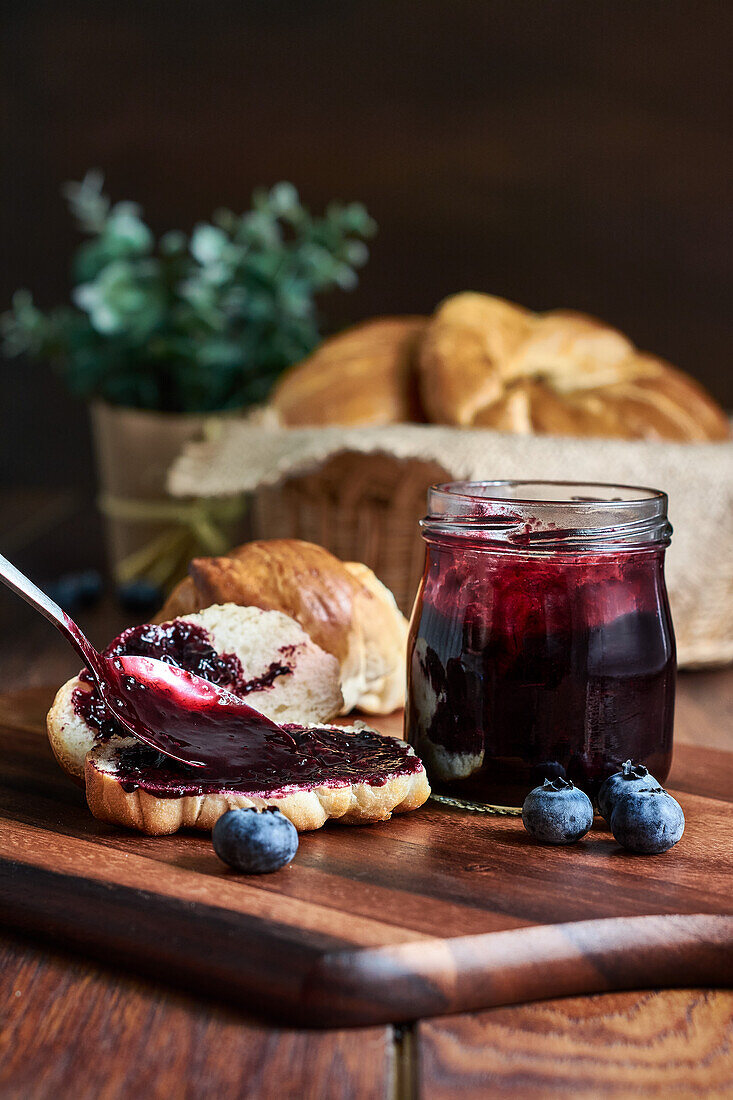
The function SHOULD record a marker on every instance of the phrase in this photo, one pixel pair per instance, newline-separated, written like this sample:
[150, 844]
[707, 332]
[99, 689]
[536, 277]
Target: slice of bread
[140, 804]
[343, 606]
[308, 692]
[379, 691]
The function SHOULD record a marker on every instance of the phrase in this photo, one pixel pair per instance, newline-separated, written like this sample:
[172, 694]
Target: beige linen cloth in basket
[266, 461]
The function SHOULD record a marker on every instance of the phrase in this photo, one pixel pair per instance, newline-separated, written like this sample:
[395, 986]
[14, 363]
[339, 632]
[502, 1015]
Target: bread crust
[307, 808]
[298, 578]
[59, 721]
[462, 353]
[363, 376]
[342, 606]
[484, 362]
[386, 633]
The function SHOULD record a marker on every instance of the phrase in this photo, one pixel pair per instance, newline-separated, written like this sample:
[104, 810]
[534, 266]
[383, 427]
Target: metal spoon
[181, 715]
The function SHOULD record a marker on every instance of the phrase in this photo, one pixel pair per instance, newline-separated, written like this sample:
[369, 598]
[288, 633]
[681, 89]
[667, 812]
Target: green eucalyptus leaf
[87, 202]
[208, 244]
[283, 199]
[193, 323]
[173, 243]
[125, 231]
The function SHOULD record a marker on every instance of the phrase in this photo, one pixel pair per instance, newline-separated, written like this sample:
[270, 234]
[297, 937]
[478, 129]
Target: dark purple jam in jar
[541, 642]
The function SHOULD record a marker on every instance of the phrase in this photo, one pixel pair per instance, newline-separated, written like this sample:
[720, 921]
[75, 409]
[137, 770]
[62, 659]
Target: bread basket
[360, 492]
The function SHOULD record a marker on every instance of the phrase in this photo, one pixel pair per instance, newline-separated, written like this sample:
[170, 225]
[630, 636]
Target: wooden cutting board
[438, 911]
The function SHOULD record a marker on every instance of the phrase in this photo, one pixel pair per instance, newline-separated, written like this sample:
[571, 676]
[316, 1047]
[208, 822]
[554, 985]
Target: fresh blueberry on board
[557, 812]
[647, 820]
[631, 778]
[550, 769]
[255, 841]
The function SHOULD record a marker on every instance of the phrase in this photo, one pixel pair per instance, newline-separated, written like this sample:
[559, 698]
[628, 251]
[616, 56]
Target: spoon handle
[32, 594]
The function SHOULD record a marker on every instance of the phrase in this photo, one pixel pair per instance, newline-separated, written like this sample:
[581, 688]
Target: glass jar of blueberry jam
[541, 642]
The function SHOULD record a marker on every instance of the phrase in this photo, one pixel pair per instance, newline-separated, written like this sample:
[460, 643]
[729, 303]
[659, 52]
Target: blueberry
[255, 841]
[647, 820]
[139, 596]
[557, 812]
[631, 778]
[548, 769]
[75, 590]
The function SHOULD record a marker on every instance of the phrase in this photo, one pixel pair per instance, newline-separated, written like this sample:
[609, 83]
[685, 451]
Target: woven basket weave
[361, 508]
[360, 492]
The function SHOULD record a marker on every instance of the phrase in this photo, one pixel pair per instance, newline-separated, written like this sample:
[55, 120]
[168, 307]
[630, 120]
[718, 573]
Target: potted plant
[165, 335]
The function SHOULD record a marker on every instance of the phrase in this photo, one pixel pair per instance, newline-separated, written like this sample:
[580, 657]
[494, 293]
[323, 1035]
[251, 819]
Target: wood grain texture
[69, 1029]
[677, 1043]
[435, 912]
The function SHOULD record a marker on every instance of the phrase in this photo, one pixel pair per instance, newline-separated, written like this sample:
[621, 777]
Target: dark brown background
[565, 153]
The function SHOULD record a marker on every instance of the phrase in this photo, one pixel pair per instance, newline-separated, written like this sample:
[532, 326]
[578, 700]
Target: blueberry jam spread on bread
[310, 757]
[182, 644]
[246, 698]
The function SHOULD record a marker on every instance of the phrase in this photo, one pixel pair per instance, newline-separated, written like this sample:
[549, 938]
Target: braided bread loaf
[484, 362]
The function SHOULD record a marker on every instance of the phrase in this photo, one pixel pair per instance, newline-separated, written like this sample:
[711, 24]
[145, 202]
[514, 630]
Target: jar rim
[535, 515]
[459, 488]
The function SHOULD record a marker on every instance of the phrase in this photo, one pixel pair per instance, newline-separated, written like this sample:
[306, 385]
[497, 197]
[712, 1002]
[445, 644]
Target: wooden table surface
[74, 1028]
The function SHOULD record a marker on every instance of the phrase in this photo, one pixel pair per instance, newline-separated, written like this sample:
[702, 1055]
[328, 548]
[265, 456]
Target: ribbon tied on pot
[192, 528]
